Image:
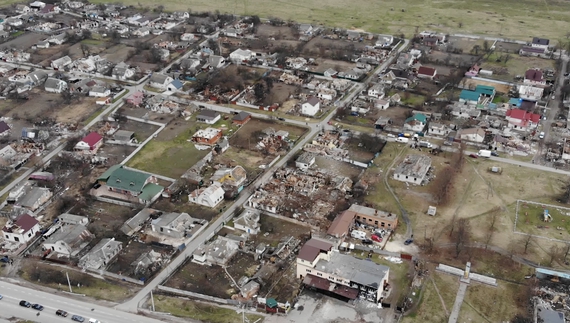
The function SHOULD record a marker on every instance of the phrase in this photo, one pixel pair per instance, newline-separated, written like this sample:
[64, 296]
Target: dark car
[494, 153]
[25, 304]
[367, 241]
[281, 119]
[473, 156]
[38, 307]
[409, 241]
[61, 313]
[77, 318]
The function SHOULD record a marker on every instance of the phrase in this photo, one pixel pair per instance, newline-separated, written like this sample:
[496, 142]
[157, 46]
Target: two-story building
[342, 276]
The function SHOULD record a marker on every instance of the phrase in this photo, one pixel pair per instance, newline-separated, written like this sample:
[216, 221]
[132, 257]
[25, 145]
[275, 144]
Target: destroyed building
[413, 169]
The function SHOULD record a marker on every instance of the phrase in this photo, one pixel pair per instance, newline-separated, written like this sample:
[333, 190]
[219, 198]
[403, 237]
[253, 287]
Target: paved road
[134, 303]
[13, 294]
[458, 301]
[524, 164]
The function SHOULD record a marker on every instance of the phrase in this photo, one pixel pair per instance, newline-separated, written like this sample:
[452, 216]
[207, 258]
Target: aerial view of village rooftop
[285, 162]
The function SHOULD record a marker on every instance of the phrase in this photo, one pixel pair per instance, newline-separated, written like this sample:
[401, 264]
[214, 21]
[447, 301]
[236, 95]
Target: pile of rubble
[554, 296]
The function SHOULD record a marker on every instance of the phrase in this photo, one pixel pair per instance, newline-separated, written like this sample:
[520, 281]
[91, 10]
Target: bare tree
[491, 225]
[527, 241]
[461, 236]
[566, 251]
[553, 253]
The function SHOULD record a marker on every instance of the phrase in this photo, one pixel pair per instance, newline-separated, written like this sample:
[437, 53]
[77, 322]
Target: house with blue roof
[416, 123]
[469, 97]
[175, 85]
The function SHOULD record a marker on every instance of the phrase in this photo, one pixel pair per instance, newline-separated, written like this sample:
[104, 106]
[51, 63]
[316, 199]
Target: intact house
[413, 169]
[375, 218]
[208, 136]
[69, 240]
[54, 85]
[215, 61]
[22, 230]
[425, 72]
[535, 77]
[305, 160]
[101, 255]
[438, 129]
[128, 184]
[90, 143]
[376, 91]
[471, 134]
[241, 118]
[321, 266]
[538, 42]
[175, 225]
[99, 91]
[240, 55]
[248, 221]
[416, 123]
[160, 81]
[311, 107]
[208, 116]
[530, 93]
[174, 86]
[210, 196]
[522, 120]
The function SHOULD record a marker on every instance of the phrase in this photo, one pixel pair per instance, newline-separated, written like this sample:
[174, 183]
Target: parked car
[38, 307]
[367, 241]
[281, 119]
[494, 153]
[77, 318]
[25, 304]
[409, 241]
[376, 238]
[61, 313]
[94, 321]
[473, 156]
[541, 135]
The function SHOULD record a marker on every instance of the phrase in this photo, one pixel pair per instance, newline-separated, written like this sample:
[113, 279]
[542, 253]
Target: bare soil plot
[115, 153]
[248, 159]
[469, 83]
[106, 218]
[325, 64]
[207, 280]
[278, 230]
[338, 167]
[195, 211]
[279, 93]
[277, 32]
[452, 59]
[142, 130]
[130, 253]
[117, 53]
[76, 112]
[322, 47]
[24, 41]
[397, 114]
[255, 125]
[465, 44]
[280, 281]
[44, 56]
[242, 264]
[494, 304]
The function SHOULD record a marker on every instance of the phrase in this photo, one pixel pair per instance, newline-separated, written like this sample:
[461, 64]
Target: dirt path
[440, 298]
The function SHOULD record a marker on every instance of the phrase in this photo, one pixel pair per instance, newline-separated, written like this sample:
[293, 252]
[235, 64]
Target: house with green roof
[416, 123]
[131, 183]
[469, 97]
[486, 90]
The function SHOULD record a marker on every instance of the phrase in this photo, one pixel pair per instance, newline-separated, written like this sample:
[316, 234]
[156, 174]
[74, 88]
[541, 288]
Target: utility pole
[152, 300]
[68, 282]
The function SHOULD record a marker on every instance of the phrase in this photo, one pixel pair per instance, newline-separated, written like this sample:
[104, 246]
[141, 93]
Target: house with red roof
[425, 72]
[23, 229]
[90, 143]
[522, 120]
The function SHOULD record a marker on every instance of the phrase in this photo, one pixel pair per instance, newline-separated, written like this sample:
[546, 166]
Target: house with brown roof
[241, 118]
[472, 134]
[311, 106]
[341, 225]
[534, 76]
[23, 229]
[425, 72]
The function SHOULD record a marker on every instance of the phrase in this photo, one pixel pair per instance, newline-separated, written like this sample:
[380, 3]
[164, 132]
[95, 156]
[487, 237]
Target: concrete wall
[208, 298]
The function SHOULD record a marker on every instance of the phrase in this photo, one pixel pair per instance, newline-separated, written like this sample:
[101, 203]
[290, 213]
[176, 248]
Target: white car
[541, 135]
[94, 321]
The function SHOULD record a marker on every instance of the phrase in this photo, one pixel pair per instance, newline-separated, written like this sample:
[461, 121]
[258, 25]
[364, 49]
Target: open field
[492, 304]
[201, 311]
[517, 65]
[509, 18]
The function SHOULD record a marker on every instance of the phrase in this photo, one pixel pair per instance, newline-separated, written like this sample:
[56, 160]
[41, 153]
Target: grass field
[168, 158]
[491, 304]
[510, 18]
[201, 311]
[531, 220]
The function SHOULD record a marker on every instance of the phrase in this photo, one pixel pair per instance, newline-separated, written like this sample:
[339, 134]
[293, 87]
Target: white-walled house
[240, 55]
[160, 81]
[311, 107]
[210, 196]
[22, 230]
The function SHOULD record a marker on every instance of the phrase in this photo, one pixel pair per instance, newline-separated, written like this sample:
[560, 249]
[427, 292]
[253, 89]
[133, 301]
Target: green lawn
[531, 217]
[200, 311]
[168, 158]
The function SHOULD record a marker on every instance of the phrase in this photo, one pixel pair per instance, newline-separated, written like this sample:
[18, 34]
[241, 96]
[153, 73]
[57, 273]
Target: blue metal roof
[515, 101]
[553, 273]
[177, 84]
